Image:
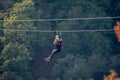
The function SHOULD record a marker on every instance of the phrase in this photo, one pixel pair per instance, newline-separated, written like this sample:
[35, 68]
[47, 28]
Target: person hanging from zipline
[117, 30]
[57, 46]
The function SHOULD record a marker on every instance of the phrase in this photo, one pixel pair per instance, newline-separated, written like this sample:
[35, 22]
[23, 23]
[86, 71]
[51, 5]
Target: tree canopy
[84, 55]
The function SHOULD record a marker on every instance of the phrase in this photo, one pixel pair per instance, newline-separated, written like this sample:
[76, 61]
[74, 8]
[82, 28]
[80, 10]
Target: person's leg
[52, 53]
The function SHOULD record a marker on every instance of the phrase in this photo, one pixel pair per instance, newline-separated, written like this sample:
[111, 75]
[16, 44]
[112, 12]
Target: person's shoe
[47, 59]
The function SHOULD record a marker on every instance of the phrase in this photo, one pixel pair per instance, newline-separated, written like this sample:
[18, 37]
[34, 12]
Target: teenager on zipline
[57, 46]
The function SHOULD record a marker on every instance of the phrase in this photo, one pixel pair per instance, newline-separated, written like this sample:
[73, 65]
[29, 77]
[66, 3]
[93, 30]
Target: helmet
[59, 36]
[118, 23]
[111, 71]
[56, 37]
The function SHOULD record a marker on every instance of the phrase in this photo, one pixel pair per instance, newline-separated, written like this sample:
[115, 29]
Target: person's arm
[55, 42]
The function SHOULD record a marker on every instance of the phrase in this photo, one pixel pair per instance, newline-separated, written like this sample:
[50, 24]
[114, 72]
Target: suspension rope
[63, 31]
[69, 19]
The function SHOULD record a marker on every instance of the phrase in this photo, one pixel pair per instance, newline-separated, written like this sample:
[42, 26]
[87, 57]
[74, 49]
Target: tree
[17, 51]
[87, 44]
[16, 60]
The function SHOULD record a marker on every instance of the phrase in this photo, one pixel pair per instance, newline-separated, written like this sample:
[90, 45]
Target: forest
[85, 55]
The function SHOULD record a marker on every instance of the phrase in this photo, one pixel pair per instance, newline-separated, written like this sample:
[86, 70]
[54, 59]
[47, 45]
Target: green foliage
[17, 52]
[84, 42]
[96, 47]
[84, 55]
[10, 76]
[16, 60]
[76, 67]
[4, 4]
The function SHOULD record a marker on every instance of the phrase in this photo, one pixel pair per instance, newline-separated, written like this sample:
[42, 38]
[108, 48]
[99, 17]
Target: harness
[59, 44]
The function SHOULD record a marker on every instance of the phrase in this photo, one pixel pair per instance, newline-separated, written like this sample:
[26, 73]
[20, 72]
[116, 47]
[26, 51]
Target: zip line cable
[63, 19]
[63, 31]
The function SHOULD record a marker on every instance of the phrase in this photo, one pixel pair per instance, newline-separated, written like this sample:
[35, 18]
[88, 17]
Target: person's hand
[60, 33]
